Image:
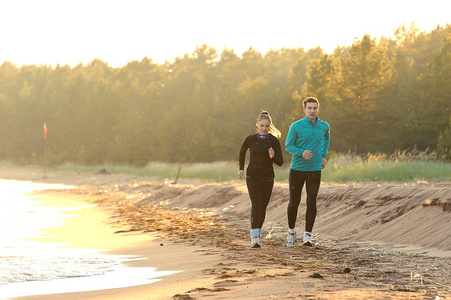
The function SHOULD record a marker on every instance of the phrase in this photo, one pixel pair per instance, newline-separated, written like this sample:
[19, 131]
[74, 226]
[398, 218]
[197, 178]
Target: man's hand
[307, 154]
[240, 174]
[323, 164]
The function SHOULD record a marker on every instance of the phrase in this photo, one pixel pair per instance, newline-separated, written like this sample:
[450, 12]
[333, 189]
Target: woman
[264, 151]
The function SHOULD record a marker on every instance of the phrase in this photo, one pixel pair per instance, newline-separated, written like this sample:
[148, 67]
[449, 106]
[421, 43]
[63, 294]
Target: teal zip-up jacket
[303, 135]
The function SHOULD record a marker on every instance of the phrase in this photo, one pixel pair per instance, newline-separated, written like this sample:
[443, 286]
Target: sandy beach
[388, 241]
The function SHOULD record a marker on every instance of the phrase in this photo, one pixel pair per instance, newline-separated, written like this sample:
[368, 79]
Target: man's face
[311, 110]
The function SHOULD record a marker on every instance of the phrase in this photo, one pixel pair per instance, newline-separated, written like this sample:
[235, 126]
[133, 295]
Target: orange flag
[45, 130]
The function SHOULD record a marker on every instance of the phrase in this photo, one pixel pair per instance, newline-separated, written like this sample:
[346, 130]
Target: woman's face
[263, 127]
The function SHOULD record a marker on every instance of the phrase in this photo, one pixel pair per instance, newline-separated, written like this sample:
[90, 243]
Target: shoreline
[90, 228]
[203, 228]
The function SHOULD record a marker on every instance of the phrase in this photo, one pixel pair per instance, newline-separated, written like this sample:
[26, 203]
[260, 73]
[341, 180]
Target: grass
[387, 171]
[216, 171]
[401, 167]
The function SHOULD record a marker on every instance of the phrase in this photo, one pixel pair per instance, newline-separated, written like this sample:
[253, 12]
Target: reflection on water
[18, 212]
[29, 267]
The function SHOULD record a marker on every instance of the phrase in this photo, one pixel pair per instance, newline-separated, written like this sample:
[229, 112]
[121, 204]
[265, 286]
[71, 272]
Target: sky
[71, 32]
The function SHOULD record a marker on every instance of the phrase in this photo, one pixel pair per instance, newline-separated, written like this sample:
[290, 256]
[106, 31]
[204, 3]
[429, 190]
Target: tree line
[378, 95]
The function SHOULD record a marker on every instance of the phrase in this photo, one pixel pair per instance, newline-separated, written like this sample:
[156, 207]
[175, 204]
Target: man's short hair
[310, 100]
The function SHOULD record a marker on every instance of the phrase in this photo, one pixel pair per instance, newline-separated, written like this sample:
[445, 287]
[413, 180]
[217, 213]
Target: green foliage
[423, 64]
[377, 95]
[444, 144]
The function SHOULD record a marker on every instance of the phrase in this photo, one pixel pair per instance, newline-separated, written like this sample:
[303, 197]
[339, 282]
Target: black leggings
[260, 193]
[297, 180]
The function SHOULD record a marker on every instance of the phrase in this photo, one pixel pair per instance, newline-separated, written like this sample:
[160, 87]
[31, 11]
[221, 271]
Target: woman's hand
[271, 153]
[240, 174]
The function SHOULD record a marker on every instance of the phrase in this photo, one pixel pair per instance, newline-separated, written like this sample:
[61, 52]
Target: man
[308, 142]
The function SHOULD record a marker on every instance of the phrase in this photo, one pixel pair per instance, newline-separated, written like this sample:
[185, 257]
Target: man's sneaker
[291, 239]
[307, 240]
[255, 242]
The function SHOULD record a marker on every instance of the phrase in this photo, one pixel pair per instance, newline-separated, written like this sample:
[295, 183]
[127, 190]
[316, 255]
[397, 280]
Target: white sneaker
[291, 239]
[307, 240]
[255, 242]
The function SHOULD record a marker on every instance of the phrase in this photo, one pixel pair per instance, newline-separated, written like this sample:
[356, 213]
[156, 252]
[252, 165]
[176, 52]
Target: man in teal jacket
[308, 142]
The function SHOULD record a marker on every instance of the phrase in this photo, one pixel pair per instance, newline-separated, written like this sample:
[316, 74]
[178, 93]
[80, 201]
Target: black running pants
[260, 193]
[312, 179]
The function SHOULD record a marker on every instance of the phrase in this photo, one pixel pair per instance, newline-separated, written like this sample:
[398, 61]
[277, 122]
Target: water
[31, 267]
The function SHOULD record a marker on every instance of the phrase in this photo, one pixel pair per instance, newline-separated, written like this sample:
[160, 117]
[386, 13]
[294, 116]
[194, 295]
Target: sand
[387, 241]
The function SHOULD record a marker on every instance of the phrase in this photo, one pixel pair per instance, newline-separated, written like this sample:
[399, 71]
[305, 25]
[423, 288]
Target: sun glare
[21, 218]
[50, 31]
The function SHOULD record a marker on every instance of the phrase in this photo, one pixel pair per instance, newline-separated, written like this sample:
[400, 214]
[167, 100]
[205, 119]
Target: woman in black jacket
[264, 148]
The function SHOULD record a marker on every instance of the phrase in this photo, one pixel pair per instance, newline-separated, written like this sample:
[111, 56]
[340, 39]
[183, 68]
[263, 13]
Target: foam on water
[29, 267]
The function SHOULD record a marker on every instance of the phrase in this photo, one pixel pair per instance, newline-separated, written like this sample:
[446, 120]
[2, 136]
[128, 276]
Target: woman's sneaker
[291, 239]
[307, 240]
[255, 242]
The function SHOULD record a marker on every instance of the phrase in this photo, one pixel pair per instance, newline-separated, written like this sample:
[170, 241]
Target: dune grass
[401, 167]
[340, 168]
[215, 171]
[352, 169]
